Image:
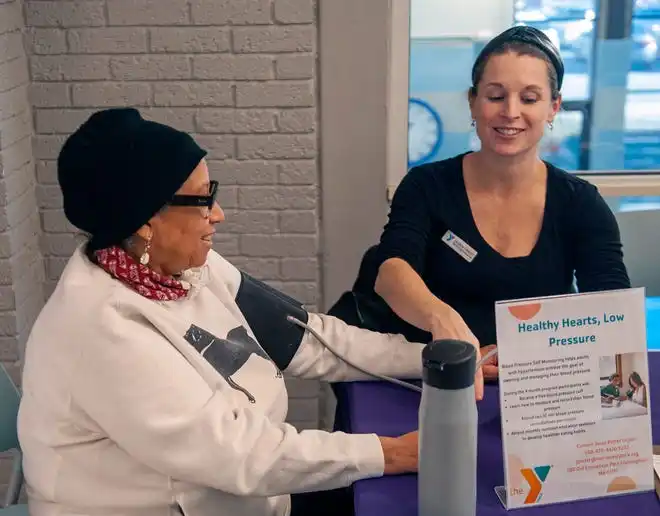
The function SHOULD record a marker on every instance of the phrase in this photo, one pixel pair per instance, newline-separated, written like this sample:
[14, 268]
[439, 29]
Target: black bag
[363, 308]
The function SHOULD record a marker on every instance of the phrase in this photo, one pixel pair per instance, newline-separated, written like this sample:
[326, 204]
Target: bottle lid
[449, 364]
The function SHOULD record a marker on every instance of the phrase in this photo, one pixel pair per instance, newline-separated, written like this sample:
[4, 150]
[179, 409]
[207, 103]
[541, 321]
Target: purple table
[389, 410]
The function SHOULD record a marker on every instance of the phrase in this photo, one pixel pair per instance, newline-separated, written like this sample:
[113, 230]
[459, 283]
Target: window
[609, 365]
[570, 26]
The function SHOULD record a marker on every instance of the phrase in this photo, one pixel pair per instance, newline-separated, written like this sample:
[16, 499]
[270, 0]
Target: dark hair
[634, 377]
[524, 41]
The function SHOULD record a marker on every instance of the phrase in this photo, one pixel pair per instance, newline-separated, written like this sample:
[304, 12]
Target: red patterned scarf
[147, 282]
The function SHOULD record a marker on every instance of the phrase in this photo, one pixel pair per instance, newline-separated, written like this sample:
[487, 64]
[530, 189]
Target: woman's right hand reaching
[405, 292]
[448, 324]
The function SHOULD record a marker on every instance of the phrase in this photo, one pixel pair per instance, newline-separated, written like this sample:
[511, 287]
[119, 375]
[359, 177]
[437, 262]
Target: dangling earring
[144, 259]
[474, 122]
[550, 125]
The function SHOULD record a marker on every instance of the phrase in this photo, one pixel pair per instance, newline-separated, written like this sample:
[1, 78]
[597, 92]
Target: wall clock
[424, 132]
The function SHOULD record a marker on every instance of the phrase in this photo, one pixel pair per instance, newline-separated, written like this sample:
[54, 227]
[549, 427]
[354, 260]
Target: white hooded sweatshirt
[134, 407]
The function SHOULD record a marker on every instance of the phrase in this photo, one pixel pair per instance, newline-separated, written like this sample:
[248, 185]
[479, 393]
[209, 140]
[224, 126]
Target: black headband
[529, 36]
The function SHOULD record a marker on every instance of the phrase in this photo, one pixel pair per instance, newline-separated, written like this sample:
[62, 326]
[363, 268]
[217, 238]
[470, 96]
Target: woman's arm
[155, 406]
[379, 353]
[408, 296]
[403, 249]
[598, 252]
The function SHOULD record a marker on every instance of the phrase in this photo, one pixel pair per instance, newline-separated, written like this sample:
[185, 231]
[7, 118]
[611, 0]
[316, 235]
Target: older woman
[153, 376]
[495, 224]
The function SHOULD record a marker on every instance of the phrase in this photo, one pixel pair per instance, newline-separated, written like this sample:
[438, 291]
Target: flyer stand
[574, 398]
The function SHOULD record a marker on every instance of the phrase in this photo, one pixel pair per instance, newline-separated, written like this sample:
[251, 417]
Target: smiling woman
[496, 224]
[515, 93]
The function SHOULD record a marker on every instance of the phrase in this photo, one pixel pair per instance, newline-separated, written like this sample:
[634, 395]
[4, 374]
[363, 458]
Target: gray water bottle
[447, 480]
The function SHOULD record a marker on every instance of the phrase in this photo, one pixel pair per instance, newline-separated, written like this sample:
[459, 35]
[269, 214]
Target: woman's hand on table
[489, 367]
[401, 453]
[447, 323]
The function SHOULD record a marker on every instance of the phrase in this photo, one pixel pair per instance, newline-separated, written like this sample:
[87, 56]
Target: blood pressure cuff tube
[266, 310]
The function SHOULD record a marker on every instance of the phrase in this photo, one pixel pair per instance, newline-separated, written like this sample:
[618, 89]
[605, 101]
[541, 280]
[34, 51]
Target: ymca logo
[535, 478]
[448, 236]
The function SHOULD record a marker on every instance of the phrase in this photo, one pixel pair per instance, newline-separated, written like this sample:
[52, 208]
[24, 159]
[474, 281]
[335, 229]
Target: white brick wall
[21, 265]
[239, 75]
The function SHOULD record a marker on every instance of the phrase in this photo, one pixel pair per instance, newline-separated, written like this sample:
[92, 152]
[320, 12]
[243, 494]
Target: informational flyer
[574, 397]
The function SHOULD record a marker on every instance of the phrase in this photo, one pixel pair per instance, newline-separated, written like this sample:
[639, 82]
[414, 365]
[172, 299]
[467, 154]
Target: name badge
[459, 245]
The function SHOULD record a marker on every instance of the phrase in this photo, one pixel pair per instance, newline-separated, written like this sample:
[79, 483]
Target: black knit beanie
[118, 170]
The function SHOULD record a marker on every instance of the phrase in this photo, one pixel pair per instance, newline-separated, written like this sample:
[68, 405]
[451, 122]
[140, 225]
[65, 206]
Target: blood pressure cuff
[266, 310]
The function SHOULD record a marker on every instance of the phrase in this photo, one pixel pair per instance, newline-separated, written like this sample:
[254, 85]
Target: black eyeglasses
[201, 201]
